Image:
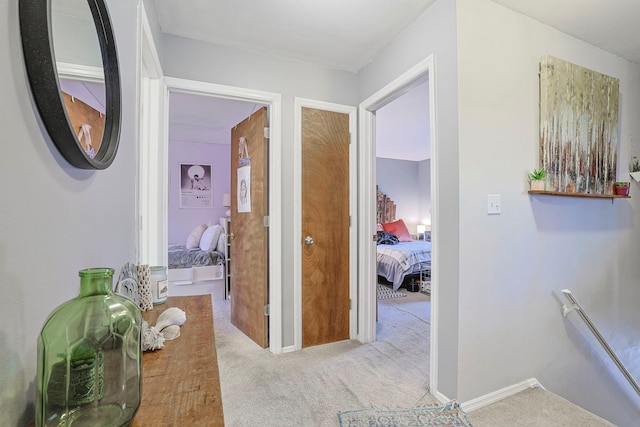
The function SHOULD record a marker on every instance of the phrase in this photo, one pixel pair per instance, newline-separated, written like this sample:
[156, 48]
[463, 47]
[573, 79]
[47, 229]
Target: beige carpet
[535, 407]
[310, 387]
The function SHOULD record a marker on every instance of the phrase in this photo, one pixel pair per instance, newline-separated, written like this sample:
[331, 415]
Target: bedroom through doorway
[199, 129]
[167, 181]
[403, 218]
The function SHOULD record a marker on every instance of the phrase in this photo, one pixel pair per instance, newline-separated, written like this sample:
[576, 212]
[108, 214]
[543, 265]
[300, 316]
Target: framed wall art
[196, 186]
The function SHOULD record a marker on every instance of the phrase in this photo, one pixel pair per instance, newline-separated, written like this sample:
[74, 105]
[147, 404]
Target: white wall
[54, 219]
[513, 266]
[434, 33]
[400, 181]
[199, 61]
[183, 220]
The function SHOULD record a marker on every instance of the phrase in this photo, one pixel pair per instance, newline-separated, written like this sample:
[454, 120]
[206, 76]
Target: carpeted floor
[309, 387]
[312, 386]
[535, 407]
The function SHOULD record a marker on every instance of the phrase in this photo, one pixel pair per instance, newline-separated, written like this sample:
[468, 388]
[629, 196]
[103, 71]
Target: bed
[395, 262]
[401, 256]
[180, 256]
[200, 258]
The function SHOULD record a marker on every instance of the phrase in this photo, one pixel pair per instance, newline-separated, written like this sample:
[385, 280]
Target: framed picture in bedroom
[196, 185]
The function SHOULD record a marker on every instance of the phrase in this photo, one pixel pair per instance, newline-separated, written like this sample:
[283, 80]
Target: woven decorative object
[144, 287]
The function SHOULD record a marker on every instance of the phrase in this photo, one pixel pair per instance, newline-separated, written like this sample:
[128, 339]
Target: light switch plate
[493, 204]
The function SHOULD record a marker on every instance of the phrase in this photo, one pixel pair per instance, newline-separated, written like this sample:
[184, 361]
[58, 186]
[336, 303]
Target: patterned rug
[385, 292]
[449, 415]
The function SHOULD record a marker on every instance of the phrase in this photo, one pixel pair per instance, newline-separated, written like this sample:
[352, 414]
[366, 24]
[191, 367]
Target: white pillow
[222, 242]
[193, 241]
[209, 239]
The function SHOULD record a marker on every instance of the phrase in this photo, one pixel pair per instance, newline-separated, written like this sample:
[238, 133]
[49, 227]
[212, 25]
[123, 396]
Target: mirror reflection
[80, 70]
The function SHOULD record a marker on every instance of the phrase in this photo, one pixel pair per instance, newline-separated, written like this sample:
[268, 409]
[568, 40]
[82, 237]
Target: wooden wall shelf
[592, 196]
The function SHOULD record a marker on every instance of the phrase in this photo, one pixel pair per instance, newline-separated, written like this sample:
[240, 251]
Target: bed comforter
[397, 261]
[181, 257]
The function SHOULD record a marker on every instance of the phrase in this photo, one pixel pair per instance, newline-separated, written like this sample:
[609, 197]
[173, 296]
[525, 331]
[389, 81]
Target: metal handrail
[575, 305]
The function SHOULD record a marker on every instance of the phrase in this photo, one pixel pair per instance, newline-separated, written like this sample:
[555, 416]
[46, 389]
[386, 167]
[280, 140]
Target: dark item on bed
[384, 238]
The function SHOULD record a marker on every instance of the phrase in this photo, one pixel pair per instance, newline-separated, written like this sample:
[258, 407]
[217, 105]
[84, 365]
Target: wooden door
[249, 236]
[325, 227]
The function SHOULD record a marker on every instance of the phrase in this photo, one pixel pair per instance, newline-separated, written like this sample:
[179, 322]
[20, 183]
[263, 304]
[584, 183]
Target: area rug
[384, 292]
[449, 415]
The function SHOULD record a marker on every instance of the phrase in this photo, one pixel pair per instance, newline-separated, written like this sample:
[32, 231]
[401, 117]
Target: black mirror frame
[39, 56]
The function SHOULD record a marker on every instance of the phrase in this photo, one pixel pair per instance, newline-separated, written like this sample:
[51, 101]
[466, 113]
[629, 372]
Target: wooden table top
[181, 383]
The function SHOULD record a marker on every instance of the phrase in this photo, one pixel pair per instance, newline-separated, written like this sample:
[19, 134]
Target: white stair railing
[575, 305]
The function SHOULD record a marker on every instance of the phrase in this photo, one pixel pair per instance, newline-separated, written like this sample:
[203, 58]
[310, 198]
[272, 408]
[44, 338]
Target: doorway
[273, 101]
[403, 184]
[367, 178]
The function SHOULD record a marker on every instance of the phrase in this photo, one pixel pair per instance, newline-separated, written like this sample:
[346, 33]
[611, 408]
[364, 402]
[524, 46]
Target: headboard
[386, 209]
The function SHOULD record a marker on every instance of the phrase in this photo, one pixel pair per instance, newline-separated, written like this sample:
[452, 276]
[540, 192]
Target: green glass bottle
[90, 358]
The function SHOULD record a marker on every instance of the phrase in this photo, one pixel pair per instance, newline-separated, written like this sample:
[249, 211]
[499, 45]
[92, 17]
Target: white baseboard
[289, 349]
[498, 395]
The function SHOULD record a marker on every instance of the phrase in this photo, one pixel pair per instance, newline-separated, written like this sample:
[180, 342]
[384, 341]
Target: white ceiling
[205, 119]
[612, 25]
[335, 33]
[347, 35]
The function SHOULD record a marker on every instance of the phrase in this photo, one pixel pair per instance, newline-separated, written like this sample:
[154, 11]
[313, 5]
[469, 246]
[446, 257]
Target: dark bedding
[181, 257]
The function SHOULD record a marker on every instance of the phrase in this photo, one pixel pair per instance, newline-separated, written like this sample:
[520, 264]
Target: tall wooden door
[325, 227]
[248, 234]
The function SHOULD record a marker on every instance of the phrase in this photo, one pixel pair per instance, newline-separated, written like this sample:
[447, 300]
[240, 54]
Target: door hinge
[350, 304]
[266, 310]
[265, 221]
[267, 133]
[350, 137]
[349, 221]
[375, 237]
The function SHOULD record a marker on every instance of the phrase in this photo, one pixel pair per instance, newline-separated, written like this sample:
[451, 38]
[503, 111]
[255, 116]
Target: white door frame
[152, 162]
[367, 206]
[299, 103]
[160, 181]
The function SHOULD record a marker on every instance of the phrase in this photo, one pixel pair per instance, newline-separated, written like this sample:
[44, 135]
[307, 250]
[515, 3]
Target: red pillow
[398, 228]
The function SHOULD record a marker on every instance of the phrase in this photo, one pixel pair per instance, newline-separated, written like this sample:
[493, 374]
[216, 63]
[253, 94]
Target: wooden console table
[181, 383]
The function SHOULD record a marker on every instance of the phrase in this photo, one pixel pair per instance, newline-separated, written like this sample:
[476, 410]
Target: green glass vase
[90, 358]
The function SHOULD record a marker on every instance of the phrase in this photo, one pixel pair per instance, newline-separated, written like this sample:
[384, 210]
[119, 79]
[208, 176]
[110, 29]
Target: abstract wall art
[578, 127]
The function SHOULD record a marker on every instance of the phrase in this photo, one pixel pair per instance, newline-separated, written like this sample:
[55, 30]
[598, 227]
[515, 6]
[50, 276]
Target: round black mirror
[72, 136]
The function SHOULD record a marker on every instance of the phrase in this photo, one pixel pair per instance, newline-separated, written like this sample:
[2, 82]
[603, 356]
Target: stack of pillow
[207, 237]
[399, 228]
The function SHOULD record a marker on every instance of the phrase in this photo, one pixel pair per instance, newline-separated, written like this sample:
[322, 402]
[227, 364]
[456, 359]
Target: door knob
[308, 240]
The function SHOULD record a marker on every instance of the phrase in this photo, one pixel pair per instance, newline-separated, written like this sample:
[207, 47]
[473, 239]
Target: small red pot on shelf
[622, 188]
